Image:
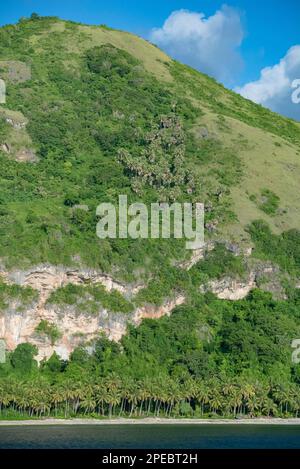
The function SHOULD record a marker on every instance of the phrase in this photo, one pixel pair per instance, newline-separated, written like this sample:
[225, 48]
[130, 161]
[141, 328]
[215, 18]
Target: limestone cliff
[18, 323]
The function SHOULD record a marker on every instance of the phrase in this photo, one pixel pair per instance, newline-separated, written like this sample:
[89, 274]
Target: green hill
[82, 94]
[92, 113]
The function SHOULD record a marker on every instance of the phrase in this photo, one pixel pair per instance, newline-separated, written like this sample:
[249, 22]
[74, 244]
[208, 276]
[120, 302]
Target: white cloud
[207, 44]
[211, 45]
[274, 87]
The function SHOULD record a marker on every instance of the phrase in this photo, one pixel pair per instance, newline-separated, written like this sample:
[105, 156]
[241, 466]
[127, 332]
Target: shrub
[48, 329]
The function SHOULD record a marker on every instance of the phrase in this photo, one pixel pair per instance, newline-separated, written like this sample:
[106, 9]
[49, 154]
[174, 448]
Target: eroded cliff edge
[19, 320]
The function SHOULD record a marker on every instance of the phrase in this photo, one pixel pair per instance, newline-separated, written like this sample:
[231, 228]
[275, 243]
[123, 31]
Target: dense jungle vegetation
[217, 358]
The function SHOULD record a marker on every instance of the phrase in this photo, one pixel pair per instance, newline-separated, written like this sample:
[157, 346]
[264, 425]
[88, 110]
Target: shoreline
[152, 421]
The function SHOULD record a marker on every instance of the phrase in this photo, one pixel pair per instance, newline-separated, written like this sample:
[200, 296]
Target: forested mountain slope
[92, 113]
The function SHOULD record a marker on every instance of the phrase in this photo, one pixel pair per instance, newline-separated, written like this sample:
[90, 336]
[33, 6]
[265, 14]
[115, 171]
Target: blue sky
[252, 34]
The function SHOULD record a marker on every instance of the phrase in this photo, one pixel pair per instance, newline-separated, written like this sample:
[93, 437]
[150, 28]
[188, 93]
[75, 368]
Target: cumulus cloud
[207, 44]
[277, 85]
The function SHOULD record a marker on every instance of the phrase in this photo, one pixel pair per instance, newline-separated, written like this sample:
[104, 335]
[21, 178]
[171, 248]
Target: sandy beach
[154, 421]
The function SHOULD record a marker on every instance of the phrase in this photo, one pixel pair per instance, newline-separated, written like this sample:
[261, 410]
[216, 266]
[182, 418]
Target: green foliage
[258, 333]
[171, 280]
[283, 249]
[4, 128]
[97, 120]
[77, 123]
[89, 299]
[269, 202]
[227, 103]
[102, 125]
[161, 164]
[48, 329]
[219, 262]
[53, 365]
[168, 281]
[107, 60]
[34, 16]
[22, 358]
[9, 292]
[220, 359]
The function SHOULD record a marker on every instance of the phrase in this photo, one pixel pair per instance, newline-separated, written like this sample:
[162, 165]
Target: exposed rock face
[19, 145]
[46, 278]
[265, 276]
[211, 226]
[15, 123]
[154, 312]
[18, 325]
[268, 278]
[26, 155]
[5, 147]
[232, 289]
[237, 250]
[197, 255]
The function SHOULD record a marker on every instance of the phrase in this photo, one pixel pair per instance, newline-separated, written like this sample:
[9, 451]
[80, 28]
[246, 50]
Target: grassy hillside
[80, 96]
[92, 113]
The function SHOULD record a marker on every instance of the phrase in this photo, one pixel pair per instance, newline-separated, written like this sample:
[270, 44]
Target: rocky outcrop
[263, 275]
[156, 312]
[231, 289]
[46, 278]
[19, 145]
[16, 124]
[269, 278]
[18, 326]
[196, 256]
[18, 323]
[5, 147]
[26, 155]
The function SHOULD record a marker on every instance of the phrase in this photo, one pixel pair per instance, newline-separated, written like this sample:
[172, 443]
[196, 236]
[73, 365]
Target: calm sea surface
[150, 436]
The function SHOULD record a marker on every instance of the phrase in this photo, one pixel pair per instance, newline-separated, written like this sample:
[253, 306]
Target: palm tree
[4, 396]
[88, 404]
[282, 397]
[113, 395]
[268, 406]
[253, 404]
[57, 397]
[142, 395]
[100, 392]
[132, 393]
[216, 402]
[202, 395]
